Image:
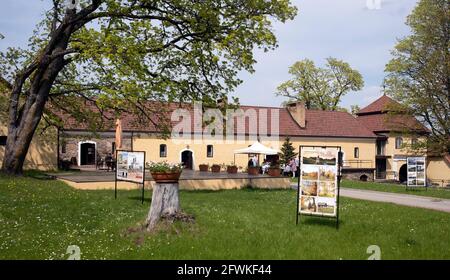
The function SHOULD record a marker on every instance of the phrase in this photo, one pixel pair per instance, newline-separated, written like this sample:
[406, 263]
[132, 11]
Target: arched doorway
[403, 173]
[187, 159]
[87, 153]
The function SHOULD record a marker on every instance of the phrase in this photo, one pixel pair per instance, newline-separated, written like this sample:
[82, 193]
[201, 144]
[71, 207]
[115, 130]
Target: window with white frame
[163, 150]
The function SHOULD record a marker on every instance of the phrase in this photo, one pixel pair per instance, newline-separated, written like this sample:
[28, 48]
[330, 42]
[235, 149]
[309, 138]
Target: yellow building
[395, 135]
[42, 154]
[372, 148]
[304, 127]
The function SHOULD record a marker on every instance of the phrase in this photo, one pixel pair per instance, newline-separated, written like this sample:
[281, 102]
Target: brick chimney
[298, 112]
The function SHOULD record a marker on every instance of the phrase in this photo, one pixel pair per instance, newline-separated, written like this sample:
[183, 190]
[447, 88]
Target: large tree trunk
[24, 117]
[16, 149]
[164, 202]
[23, 121]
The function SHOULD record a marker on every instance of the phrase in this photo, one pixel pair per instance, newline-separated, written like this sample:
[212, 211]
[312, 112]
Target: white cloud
[344, 29]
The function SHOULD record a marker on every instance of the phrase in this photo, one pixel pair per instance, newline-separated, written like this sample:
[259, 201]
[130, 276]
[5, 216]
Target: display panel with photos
[416, 172]
[318, 181]
[130, 166]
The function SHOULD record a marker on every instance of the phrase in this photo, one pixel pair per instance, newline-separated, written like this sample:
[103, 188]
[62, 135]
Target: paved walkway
[433, 203]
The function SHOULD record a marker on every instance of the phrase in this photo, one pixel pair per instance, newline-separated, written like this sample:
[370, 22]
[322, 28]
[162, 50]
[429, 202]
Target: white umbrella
[256, 148]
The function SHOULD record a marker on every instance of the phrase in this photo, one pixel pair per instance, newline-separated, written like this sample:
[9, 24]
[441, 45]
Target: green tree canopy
[321, 88]
[120, 54]
[418, 76]
[354, 109]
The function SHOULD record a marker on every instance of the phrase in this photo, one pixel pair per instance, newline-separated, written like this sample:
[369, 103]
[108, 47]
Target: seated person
[109, 161]
[286, 169]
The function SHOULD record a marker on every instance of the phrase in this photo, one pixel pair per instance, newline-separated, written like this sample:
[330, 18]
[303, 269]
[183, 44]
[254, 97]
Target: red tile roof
[378, 106]
[376, 118]
[318, 123]
[332, 123]
[384, 123]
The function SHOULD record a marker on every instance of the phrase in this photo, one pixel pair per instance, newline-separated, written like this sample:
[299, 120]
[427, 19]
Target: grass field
[40, 218]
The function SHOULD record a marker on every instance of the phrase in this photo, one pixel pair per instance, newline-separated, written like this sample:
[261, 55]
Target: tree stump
[164, 202]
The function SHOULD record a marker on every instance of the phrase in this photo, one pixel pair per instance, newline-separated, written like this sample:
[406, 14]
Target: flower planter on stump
[164, 198]
[166, 177]
[215, 168]
[254, 170]
[203, 167]
[232, 169]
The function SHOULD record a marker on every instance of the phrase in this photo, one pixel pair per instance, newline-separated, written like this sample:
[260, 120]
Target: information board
[130, 166]
[318, 181]
[416, 172]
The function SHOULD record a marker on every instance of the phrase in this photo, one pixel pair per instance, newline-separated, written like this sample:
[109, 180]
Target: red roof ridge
[378, 106]
[264, 107]
[319, 123]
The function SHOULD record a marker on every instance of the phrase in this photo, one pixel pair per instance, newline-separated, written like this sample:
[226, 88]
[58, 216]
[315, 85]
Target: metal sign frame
[143, 175]
[338, 175]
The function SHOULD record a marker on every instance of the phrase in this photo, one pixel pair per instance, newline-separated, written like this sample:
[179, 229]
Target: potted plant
[274, 170]
[215, 168]
[203, 167]
[164, 172]
[253, 170]
[232, 169]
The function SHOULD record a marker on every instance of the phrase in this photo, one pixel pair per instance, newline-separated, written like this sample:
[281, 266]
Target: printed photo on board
[328, 156]
[311, 157]
[308, 204]
[326, 205]
[319, 156]
[412, 181]
[310, 172]
[327, 173]
[135, 166]
[122, 159]
[412, 168]
[412, 161]
[327, 189]
[309, 188]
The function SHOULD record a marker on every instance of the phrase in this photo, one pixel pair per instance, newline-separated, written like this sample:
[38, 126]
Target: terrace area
[189, 180]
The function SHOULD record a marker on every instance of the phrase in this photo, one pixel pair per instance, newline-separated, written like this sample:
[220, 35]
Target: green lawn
[40, 218]
[395, 188]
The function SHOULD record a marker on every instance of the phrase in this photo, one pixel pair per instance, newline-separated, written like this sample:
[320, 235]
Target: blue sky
[345, 29]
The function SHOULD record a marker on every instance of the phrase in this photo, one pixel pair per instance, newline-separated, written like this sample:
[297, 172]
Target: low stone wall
[193, 184]
[236, 183]
[358, 174]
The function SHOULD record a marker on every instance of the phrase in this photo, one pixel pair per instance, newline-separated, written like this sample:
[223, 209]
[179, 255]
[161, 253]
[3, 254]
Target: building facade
[43, 151]
[395, 137]
[373, 148]
[303, 127]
